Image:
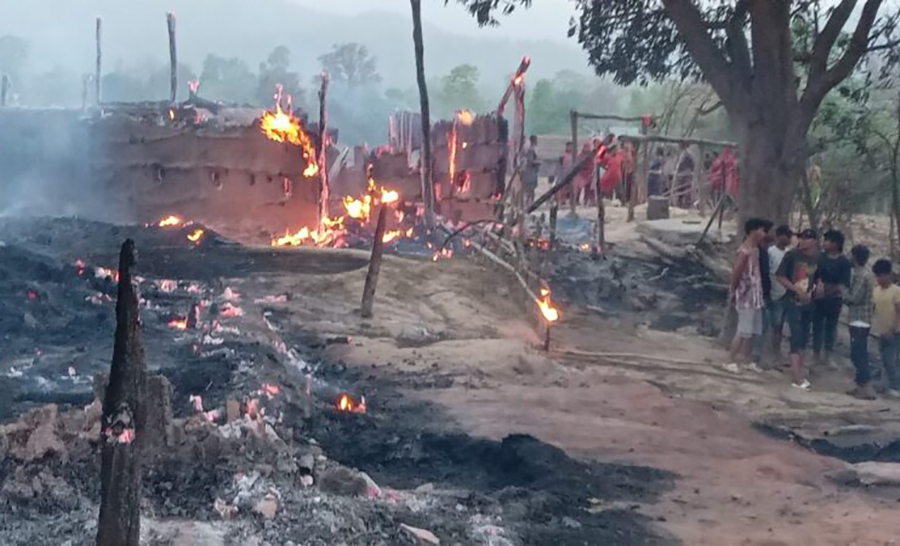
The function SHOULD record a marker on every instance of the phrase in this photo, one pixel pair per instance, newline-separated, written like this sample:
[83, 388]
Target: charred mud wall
[130, 167]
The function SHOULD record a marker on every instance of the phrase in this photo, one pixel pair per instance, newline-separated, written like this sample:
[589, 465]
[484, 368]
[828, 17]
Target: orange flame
[178, 324]
[546, 305]
[170, 221]
[284, 127]
[465, 117]
[346, 403]
[196, 236]
[391, 235]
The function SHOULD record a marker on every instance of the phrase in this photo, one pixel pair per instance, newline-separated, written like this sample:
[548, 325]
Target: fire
[329, 234]
[196, 236]
[170, 221]
[269, 390]
[194, 86]
[465, 117]
[546, 305]
[358, 208]
[178, 324]
[444, 253]
[346, 403]
[103, 273]
[391, 235]
[282, 126]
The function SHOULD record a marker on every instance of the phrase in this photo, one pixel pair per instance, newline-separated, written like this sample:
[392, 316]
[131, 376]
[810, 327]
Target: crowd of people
[780, 278]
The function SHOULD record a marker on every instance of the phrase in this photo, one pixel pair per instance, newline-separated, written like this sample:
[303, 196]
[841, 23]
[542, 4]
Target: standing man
[778, 304]
[532, 169]
[832, 279]
[797, 274]
[655, 176]
[759, 341]
[562, 169]
[859, 307]
[746, 293]
[886, 322]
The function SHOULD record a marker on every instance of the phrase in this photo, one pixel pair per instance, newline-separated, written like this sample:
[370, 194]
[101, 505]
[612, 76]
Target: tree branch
[690, 24]
[826, 39]
[739, 49]
[820, 83]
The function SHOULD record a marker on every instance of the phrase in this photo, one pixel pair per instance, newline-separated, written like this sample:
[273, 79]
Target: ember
[546, 305]
[80, 266]
[104, 273]
[346, 403]
[196, 237]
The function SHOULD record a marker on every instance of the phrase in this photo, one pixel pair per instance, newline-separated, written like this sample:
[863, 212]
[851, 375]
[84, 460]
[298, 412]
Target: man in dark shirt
[759, 342]
[797, 274]
[832, 278]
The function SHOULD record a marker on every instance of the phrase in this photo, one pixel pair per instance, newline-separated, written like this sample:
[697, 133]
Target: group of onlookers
[807, 286]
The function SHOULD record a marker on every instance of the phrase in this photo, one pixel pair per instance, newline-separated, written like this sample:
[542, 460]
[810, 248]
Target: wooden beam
[564, 182]
[122, 426]
[324, 193]
[427, 167]
[674, 140]
[610, 117]
[374, 264]
[173, 58]
[99, 66]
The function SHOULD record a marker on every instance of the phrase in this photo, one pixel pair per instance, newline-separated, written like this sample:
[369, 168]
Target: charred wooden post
[173, 58]
[4, 90]
[98, 71]
[547, 328]
[574, 115]
[374, 264]
[554, 212]
[427, 174]
[123, 418]
[85, 81]
[324, 193]
[601, 224]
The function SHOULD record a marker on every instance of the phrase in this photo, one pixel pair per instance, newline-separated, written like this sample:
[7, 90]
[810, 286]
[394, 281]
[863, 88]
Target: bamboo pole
[427, 174]
[554, 212]
[324, 193]
[99, 67]
[123, 419]
[374, 264]
[173, 58]
[601, 216]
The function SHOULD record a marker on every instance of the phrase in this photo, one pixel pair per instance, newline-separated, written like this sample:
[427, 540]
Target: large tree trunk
[770, 174]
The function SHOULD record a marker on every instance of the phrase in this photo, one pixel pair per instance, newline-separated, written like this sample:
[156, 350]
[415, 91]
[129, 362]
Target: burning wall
[138, 163]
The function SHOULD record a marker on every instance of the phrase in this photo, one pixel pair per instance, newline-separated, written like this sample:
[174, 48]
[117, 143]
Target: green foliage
[228, 80]
[350, 65]
[276, 71]
[459, 90]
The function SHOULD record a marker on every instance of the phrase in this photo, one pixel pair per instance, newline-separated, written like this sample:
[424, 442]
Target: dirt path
[450, 323]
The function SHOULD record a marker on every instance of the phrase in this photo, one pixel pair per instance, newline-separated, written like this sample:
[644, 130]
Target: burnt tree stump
[123, 418]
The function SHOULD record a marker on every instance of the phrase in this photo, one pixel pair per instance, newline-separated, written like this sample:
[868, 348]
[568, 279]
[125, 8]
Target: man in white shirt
[777, 305]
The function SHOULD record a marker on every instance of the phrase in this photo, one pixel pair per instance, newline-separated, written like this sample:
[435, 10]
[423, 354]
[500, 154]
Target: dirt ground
[680, 412]
[738, 452]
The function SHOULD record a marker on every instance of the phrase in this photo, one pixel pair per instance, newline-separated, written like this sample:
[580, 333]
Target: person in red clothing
[612, 177]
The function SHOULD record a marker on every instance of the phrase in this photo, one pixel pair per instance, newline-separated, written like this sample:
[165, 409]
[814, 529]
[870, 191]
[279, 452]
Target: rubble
[420, 536]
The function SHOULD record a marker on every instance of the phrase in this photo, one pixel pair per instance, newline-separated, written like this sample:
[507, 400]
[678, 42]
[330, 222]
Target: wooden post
[123, 419]
[574, 120]
[173, 58]
[547, 337]
[4, 90]
[601, 218]
[98, 72]
[643, 148]
[554, 212]
[374, 264]
[324, 193]
[427, 176]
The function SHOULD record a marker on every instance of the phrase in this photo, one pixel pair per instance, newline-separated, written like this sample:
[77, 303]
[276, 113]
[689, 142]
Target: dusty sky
[545, 19]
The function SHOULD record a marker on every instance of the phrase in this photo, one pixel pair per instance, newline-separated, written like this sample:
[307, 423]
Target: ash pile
[250, 436]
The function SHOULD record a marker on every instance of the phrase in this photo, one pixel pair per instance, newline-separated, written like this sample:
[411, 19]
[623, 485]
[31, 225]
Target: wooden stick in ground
[173, 58]
[554, 212]
[324, 194]
[374, 264]
[4, 90]
[427, 176]
[97, 73]
[123, 419]
[601, 216]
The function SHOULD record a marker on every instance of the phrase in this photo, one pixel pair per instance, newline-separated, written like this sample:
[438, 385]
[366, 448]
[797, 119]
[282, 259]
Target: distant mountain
[61, 33]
